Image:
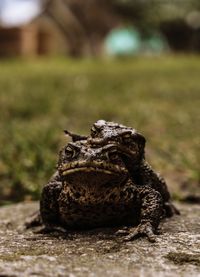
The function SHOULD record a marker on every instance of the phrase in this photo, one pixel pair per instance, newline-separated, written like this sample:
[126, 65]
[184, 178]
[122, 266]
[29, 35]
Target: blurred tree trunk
[83, 23]
[69, 25]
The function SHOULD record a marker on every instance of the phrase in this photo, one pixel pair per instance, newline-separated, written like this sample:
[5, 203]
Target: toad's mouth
[93, 174]
[92, 166]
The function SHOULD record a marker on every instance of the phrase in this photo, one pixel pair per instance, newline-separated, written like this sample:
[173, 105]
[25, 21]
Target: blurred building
[38, 36]
[61, 27]
[15, 41]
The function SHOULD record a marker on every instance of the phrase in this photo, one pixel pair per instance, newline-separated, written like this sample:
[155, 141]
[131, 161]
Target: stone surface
[99, 252]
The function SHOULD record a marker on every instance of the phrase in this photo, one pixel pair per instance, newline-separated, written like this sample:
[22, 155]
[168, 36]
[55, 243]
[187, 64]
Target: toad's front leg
[49, 207]
[151, 214]
[48, 216]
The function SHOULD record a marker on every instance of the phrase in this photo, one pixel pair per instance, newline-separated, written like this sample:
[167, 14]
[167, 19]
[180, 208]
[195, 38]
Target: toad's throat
[92, 166]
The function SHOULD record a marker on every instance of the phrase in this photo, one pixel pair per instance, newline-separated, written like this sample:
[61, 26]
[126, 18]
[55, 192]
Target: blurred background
[66, 63]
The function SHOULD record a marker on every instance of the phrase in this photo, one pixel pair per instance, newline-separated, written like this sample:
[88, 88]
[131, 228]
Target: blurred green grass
[159, 96]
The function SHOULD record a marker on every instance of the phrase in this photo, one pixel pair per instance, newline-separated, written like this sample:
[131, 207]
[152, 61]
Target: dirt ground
[99, 252]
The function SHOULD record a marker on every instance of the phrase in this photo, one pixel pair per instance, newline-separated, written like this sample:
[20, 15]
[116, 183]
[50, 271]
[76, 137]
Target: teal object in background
[155, 44]
[122, 42]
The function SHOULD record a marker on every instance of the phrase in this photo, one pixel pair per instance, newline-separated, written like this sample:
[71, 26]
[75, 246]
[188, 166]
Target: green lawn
[39, 98]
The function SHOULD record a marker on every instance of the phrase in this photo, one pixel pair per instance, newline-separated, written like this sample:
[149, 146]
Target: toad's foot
[123, 231]
[49, 229]
[170, 209]
[33, 221]
[143, 229]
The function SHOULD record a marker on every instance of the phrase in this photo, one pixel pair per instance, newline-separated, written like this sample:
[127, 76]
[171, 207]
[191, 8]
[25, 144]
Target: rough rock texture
[99, 252]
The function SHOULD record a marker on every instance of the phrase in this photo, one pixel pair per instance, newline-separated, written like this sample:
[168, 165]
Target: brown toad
[131, 145]
[94, 186]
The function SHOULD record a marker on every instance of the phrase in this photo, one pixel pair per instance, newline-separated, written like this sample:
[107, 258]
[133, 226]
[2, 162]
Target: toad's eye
[94, 131]
[127, 138]
[70, 152]
[113, 155]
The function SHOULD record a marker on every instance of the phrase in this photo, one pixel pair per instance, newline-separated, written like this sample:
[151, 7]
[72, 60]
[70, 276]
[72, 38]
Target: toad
[103, 180]
[131, 145]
